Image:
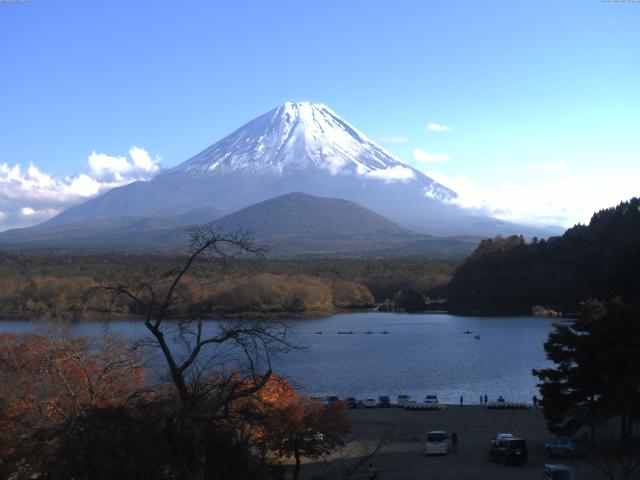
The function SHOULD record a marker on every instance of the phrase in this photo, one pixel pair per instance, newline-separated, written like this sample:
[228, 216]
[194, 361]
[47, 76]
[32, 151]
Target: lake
[422, 354]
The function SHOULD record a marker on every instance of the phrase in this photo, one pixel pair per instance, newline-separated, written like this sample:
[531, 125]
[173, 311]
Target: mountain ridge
[297, 147]
[294, 225]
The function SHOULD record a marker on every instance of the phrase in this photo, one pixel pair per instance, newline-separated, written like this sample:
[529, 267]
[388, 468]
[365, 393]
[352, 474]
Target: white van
[403, 400]
[438, 443]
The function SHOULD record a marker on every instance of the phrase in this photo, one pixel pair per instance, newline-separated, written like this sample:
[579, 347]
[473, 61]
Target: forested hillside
[509, 276]
[67, 286]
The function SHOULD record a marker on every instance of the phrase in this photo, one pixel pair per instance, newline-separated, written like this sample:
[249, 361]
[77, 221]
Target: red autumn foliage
[293, 425]
[73, 405]
[49, 382]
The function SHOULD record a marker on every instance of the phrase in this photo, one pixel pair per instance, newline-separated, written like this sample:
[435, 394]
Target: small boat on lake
[477, 337]
[385, 332]
[350, 332]
[467, 332]
[318, 333]
[368, 332]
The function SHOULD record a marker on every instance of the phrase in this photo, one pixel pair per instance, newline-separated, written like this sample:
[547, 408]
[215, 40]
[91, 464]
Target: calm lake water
[422, 354]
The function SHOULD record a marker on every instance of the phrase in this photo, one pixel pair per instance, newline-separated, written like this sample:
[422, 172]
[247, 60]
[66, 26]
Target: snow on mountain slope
[304, 136]
[297, 147]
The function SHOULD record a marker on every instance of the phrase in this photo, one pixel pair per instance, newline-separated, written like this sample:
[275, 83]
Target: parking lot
[403, 457]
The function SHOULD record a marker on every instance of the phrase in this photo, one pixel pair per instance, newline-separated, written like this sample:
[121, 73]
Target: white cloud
[545, 167]
[31, 216]
[84, 186]
[101, 164]
[557, 200]
[142, 160]
[31, 196]
[394, 173]
[428, 157]
[436, 127]
[27, 211]
[118, 169]
[395, 139]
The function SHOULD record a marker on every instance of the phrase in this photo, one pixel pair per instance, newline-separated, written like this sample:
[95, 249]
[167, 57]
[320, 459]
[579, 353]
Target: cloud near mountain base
[30, 196]
[391, 174]
[558, 199]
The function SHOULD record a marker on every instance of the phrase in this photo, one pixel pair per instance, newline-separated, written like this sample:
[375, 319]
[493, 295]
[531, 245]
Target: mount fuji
[297, 147]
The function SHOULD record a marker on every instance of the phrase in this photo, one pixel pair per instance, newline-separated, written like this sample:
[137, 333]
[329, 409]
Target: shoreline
[273, 316]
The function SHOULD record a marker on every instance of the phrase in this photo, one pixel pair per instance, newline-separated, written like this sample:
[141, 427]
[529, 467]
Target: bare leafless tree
[208, 368]
[614, 461]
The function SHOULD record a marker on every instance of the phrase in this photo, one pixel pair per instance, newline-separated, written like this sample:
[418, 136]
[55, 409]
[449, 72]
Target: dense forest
[510, 276]
[69, 286]
[503, 276]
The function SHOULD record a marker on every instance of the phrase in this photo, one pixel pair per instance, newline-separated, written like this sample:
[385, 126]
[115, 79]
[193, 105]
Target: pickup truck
[563, 447]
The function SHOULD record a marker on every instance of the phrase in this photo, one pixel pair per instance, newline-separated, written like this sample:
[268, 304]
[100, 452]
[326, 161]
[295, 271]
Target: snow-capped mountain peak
[301, 136]
[298, 147]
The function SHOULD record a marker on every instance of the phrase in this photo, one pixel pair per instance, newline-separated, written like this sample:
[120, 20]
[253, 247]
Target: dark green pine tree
[595, 376]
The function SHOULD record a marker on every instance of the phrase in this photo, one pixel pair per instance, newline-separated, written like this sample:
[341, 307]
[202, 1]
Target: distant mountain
[301, 225]
[119, 232]
[297, 147]
[299, 214]
[509, 276]
[292, 225]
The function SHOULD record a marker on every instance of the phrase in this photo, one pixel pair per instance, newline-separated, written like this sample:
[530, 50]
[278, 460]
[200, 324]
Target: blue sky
[540, 99]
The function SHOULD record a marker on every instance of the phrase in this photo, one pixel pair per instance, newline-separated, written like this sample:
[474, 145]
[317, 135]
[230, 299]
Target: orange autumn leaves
[294, 424]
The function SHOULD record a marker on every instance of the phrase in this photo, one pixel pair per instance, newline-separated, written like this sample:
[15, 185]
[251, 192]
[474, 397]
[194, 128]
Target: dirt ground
[403, 457]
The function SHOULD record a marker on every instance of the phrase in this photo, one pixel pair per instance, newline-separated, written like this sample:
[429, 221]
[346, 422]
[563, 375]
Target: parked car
[370, 403]
[321, 399]
[509, 451]
[431, 399]
[438, 443]
[403, 400]
[333, 398]
[563, 447]
[500, 436]
[384, 401]
[558, 472]
[351, 403]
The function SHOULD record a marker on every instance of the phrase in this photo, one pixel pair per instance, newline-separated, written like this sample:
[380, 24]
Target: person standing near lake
[461, 400]
[454, 442]
[486, 399]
